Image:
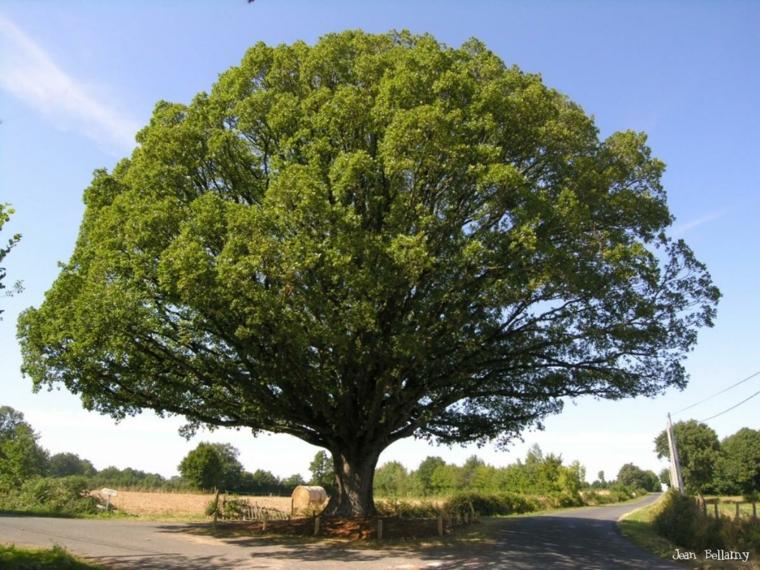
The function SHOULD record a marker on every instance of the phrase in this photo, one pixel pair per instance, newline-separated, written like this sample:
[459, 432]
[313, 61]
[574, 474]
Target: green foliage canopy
[539, 475]
[212, 466]
[738, 465]
[5, 214]
[370, 238]
[21, 457]
[322, 471]
[67, 464]
[698, 447]
[635, 477]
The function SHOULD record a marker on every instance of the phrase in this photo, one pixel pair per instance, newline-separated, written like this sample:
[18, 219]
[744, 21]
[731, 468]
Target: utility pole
[676, 481]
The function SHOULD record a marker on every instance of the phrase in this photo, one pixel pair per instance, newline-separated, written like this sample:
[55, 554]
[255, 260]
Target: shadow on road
[170, 562]
[562, 542]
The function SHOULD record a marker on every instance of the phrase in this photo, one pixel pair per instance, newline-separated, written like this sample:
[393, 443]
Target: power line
[732, 407]
[750, 377]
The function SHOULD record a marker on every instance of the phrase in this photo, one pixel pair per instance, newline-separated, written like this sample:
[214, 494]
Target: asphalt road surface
[580, 538]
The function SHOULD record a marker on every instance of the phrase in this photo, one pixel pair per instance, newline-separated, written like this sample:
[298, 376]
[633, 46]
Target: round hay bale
[307, 500]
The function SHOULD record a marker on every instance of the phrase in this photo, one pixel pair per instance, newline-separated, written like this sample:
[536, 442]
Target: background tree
[600, 482]
[290, 483]
[635, 477]
[424, 473]
[260, 482]
[738, 465]
[133, 478]
[445, 479]
[212, 466]
[21, 458]
[5, 214]
[366, 239]
[698, 447]
[322, 471]
[65, 464]
[469, 470]
[665, 477]
[391, 479]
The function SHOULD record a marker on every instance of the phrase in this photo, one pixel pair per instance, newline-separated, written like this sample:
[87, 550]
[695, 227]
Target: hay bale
[307, 500]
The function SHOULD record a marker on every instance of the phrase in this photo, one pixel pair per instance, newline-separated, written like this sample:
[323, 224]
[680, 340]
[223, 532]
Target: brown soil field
[181, 504]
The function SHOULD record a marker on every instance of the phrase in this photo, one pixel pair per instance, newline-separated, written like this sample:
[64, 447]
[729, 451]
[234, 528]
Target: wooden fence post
[379, 529]
[715, 504]
[754, 511]
[737, 510]
[264, 521]
[316, 526]
[216, 506]
[440, 524]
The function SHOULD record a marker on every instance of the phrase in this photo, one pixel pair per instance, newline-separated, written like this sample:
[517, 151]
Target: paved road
[582, 538]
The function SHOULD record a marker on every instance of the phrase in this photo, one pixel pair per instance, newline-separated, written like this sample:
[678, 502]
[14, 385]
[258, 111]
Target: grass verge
[68, 515]
[56, 558]
[637, 527]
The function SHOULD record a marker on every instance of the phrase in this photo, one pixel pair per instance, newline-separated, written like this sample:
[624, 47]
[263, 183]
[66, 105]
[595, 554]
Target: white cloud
[679, 230]
[28, 73]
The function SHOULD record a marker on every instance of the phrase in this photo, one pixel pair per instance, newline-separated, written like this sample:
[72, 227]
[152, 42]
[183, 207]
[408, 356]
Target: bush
[564, 500]
[66, 495]
[681, 521]
[212, 508]
[494, 504]
[407, 509]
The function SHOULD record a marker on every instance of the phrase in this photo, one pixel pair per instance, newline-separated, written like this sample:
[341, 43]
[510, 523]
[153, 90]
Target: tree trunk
[354, 476]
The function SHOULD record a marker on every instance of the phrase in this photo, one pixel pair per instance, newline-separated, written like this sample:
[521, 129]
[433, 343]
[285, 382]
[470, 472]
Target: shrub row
[67, 495]
[613, 495]
[680, 520]
[493, 504]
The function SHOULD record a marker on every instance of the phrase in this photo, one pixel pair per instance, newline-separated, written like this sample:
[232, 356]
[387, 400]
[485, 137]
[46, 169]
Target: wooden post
[737, 510]
[466, 518]
[379, 529]
[440, 524]
[316, 526]
[754, 511]
[715, 504]
[264, 518]
[704, 507]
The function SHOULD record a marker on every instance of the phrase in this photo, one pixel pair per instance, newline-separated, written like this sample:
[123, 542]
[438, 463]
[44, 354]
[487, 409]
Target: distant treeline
[539, 475]
[215, 466]
[23, 459]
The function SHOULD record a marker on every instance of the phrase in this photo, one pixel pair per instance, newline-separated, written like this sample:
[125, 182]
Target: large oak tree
[367, 239]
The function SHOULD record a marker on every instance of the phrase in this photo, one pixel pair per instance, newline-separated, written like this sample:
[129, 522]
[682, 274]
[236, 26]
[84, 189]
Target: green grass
[64, 514]
[637, 527]
[727, 507]
[56, 558]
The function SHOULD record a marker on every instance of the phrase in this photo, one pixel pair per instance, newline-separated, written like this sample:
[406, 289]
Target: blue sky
[78, 78]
